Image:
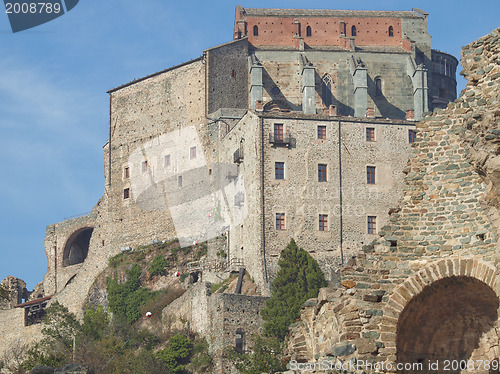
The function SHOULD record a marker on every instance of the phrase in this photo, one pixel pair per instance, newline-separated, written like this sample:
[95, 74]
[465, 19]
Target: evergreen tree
[298, 279]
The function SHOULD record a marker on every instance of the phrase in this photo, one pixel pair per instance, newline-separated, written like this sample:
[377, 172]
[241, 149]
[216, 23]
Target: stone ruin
[425, 295]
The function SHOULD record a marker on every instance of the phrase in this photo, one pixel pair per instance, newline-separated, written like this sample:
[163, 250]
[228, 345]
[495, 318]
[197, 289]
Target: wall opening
[256, 30]
[77, 247]
[391, 31]
[451, 320]
[353, 31]
[308, 31]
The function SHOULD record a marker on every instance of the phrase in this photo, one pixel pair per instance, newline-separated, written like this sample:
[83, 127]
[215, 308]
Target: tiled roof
[263, 12]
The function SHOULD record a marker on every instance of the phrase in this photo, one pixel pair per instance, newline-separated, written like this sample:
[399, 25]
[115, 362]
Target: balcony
[280, 140]
[238, 156]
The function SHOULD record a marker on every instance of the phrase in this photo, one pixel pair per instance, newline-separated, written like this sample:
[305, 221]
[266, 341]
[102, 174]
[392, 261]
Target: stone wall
[427, 290]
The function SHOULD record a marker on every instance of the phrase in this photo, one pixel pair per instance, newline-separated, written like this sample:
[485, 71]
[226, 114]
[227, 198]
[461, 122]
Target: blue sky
[54, 105]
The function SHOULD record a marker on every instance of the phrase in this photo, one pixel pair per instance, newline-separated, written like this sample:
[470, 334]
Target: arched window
[391, 31]
[256, 30]
[308, 31]
[353, 30]
[378, 86]
[326, 90]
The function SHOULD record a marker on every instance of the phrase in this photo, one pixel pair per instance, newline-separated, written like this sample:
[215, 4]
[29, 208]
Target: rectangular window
[370, 174]
[179, 180]
[278, 132]
[412, 134]
[279, 170]
[280, 221]
[144, 166]
[372, 225]
[321, 172]
[126, 193]
[166, 161]
[323, 222]
[370, 134]
[321, 132]
[192, 152]
[126, 172]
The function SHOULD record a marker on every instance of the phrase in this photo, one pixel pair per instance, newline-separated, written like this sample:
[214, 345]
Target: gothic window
[353, 30]
[391, 31]
[378, 86]
[326, 90]
[308, 31]
[256, 30]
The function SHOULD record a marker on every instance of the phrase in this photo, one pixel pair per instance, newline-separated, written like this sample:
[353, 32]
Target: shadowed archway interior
[447, 321]
[77, 247]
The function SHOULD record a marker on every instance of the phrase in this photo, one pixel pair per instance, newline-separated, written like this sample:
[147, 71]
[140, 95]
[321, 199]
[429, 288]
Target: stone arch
[77, 246]
[277, 106]
[425, 306]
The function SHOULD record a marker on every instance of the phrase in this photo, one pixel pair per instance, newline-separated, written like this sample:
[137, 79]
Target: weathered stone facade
[427, 290]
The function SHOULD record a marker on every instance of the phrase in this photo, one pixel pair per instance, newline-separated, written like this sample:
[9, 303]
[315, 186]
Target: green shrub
[177, 354]
[158, 266]
[183, 277]
[298, 279]
[125, 299]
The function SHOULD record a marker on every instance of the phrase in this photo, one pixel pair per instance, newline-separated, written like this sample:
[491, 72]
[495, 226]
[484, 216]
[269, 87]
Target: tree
[177, 354]
[298, 279]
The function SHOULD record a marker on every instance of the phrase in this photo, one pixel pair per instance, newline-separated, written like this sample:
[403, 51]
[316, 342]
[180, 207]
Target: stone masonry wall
[440, 236]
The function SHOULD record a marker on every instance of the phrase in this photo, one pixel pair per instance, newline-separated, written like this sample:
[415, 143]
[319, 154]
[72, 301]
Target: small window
[278, 132]
[280, 221]
[166, 161]
[144, 166]
[412, 135]
[372, 225]
[233, 74]
[279, 170]
[321, 172]
[323, 222]
[370, 174]
[126, 172]
[370, 134]
[308, 31]
[391, 31]
[378, 86]
[126, 193]
[179, 180]
[321, 132]
[255, 30]
[326, 90]
[192, 153]
[353, 30]
[239, 341]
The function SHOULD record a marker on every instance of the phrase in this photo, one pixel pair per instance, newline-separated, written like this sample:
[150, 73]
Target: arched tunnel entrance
[451, 321]
[77, 247]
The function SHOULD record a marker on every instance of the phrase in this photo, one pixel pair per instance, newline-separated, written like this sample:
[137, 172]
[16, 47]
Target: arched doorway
[77, 247]
[449, 322]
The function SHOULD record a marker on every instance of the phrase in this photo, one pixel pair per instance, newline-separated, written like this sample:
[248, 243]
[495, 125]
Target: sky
[54, 105]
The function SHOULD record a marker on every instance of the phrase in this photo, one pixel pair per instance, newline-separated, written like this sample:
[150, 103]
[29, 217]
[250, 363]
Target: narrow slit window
[144, 166]
[166, 161]
[391, 31]
[126, 193]
[179, 180]
[126, 172]
[378, 86]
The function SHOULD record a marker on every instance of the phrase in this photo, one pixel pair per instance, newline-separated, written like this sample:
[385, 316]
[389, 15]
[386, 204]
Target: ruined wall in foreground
[399, 299]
